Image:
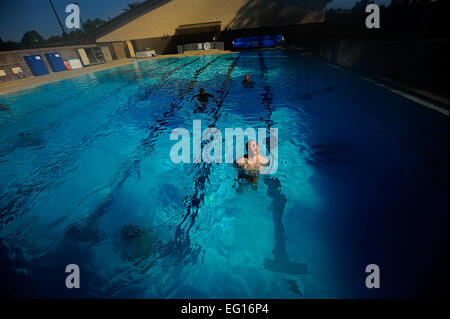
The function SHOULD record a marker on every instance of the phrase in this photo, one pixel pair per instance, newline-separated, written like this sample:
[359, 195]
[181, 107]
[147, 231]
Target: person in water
[247, 80]
[250, 164]
[203, 97]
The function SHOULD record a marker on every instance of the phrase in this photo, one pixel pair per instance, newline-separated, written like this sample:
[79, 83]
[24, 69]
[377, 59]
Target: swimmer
[250, 164]
[247, 79]
[203, 97]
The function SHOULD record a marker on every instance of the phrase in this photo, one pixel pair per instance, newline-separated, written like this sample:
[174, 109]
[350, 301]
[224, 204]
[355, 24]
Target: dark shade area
[410, 47]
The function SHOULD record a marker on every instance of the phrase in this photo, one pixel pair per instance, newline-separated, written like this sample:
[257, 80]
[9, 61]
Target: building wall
[119, 49]
[415, 62]
[161, 45]
[233, 14]
[12, 59]
[300, 34]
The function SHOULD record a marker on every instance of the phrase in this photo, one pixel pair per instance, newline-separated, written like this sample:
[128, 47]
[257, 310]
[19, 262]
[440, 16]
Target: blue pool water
[86, 179]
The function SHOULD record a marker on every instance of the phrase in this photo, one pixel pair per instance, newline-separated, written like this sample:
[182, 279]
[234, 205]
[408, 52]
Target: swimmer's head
[251, 147]
[247, 77]
[202, 90]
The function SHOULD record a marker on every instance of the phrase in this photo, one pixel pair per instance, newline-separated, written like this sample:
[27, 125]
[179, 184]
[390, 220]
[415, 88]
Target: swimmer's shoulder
[240, 160]
[264, 160]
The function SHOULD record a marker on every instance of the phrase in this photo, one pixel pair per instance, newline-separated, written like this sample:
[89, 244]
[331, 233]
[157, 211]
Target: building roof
[204, 27]
[155, 18]
[128, 16]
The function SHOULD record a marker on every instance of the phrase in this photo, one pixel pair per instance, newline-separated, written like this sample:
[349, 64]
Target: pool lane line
[165, 78]
[267, 98]
[14, 207]
[224, 92]
[139, 76]
[204, 169]
[280, 261]
[162, 79]
[146, 145]
[181, 244]
[140, 153]
[131, 81]
[154, 127]
[155, 130]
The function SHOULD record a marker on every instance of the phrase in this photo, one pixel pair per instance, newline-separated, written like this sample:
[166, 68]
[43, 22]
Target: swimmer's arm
[212, 96]
[194, 97]
[239, 161]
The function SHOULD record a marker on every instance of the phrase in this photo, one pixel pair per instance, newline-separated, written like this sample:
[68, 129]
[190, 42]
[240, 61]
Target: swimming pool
[86, 179]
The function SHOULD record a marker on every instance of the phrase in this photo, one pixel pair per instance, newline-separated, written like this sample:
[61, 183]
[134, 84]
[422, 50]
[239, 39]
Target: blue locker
[55, 61]
[266, 41]
[242, 44]
[36, 64]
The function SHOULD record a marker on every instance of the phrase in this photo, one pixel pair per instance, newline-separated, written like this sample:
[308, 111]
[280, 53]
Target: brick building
[161, 25]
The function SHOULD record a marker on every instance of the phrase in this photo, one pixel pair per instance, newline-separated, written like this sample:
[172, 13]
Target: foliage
[32, 38]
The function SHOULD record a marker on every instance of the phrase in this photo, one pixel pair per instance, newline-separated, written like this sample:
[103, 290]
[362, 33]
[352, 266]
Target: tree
[54, 39]
[91, 25]
[10, 45]
[360, 6]
[32, 38]
[76, 35]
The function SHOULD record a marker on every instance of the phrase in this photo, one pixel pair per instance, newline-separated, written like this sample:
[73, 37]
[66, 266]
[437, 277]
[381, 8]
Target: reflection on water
[280, 261]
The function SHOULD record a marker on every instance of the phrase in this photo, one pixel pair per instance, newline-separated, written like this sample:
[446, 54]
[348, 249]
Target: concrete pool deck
[34, 81]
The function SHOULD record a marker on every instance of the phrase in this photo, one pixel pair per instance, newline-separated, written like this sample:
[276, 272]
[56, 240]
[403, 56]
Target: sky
[19, 16]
